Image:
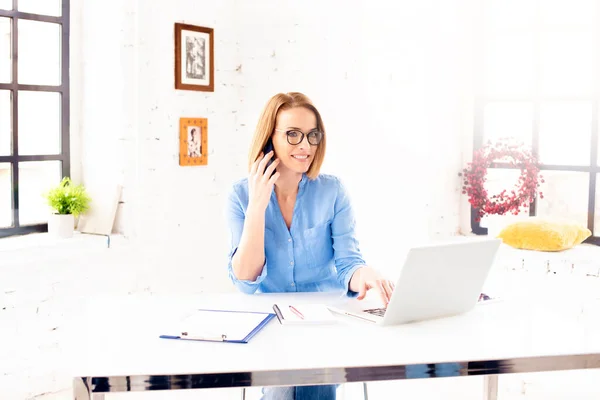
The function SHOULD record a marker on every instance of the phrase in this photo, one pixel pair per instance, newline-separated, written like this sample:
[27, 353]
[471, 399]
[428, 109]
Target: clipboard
[221, 326]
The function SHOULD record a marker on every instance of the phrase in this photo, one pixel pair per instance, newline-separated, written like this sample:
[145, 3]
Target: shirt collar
[301, 186]
[302, 183]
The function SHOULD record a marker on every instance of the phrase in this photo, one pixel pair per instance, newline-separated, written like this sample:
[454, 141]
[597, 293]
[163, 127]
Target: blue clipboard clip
[187, 336]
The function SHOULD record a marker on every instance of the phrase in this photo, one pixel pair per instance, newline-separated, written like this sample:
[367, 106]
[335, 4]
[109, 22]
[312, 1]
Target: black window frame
[14, 87]
[536, 99]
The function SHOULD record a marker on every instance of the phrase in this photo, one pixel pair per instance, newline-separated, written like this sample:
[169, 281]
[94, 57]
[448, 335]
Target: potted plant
[68, 201]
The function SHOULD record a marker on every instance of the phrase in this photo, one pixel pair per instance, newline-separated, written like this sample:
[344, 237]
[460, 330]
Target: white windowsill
[79, 240]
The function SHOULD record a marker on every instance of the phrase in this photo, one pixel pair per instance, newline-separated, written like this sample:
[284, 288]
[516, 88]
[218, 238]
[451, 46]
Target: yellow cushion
[544, 234]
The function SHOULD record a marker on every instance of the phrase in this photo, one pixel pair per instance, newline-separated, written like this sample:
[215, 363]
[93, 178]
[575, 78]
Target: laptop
[436, 280]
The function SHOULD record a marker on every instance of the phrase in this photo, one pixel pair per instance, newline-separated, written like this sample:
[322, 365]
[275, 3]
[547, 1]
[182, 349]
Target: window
[34, 110]
[539, 81]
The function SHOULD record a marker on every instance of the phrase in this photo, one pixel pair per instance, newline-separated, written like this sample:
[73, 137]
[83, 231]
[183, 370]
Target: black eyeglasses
[296, 136]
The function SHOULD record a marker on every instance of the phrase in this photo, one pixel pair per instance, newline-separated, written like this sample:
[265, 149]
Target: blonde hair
[266, 126]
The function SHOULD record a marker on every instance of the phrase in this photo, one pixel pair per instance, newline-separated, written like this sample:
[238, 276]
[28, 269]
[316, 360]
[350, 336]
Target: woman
[292, 228]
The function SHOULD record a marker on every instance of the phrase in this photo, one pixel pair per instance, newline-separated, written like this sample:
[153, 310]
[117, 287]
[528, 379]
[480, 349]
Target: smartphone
[269, 147]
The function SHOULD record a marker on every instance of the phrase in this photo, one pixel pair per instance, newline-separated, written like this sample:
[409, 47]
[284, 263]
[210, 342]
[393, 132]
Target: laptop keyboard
[376, 311]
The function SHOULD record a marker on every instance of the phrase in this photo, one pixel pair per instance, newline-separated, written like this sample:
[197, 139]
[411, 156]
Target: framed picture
[193, 141]
[194, 58]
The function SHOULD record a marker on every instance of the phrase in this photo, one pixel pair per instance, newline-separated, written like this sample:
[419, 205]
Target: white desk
[118, 348]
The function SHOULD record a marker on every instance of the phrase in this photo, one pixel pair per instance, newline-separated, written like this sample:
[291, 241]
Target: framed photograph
[194, 58]
[193, 141]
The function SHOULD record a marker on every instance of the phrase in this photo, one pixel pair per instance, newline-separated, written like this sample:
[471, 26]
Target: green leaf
[67, 198]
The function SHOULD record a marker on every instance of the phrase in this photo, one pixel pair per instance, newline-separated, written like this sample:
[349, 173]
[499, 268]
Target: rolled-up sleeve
[235, 221]
[348, 257]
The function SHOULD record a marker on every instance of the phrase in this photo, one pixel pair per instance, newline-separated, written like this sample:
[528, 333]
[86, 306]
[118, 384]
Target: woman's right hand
[260, 181]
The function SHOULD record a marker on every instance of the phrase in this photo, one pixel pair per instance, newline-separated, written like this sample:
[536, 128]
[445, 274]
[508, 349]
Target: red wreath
[505, 202]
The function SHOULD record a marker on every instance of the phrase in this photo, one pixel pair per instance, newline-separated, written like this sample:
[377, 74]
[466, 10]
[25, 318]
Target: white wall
[104, 94]
[391, 80]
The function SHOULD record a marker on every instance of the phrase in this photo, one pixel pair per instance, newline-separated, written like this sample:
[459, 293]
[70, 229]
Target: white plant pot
[61, 226]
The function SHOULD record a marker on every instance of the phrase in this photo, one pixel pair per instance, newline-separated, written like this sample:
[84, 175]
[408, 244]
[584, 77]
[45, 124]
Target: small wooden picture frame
[194, 58]
[193, 141]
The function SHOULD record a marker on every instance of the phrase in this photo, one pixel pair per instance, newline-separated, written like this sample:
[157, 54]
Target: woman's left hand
[369, 279]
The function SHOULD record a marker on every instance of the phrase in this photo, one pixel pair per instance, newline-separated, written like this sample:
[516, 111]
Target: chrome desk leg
[490, 387]
[243, 393]
[365, 393]
[82, 390]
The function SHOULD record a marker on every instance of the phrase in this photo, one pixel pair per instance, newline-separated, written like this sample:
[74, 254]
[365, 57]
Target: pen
[295, 311]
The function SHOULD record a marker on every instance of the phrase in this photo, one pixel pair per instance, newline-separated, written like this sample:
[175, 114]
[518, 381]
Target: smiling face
[292, 123]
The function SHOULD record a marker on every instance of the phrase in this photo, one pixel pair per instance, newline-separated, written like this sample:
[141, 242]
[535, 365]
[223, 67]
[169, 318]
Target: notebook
[220, 326]
[289, 314]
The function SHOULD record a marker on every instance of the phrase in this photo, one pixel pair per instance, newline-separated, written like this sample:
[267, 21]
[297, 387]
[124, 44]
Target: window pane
[509, 64]
[499, 179]
[514, 119]
[569, 14]
[510, 14]
[5, 50]
[567, 63]
[5, 196]
[565, 133]
[565, 195]
[6, 4]
[39, 123]
[35, 179]
[39, 53]
[44, 7]
[5, 123]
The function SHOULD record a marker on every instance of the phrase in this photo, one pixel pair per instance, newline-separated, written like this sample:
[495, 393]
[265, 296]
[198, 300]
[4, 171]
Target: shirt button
[290, 239]
[291, 263]
[292, 284]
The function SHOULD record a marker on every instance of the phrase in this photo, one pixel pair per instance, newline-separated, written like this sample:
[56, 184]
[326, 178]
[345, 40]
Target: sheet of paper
[235, 325]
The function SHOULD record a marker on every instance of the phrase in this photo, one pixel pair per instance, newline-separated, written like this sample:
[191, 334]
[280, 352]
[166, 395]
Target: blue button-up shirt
[318, 253]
